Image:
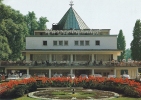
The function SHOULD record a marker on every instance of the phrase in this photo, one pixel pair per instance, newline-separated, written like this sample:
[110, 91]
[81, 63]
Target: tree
[31, 21]
[121, 44]
[1, 1]
[128, 54]
[5, 50]
[136, 42]
[42, 23]
[13, 27]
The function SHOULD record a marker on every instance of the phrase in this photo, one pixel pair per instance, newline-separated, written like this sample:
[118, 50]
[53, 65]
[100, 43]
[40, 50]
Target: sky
[97, 14]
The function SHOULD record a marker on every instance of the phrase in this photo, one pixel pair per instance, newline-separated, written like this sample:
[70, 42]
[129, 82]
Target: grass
[79, 94]
[25, 98]
[126, 98]
[120, 98]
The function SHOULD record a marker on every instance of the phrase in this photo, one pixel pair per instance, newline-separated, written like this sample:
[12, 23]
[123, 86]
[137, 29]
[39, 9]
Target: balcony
[70, 64]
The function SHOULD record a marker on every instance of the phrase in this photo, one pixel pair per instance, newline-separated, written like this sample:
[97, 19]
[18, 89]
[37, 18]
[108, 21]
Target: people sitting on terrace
[113, 62]
[100, 63]
[72, 63]
[55, 62]
[47, 62]
[88, 62]
[42, 62]
[35, 63]
[61, 62]
[94, 63]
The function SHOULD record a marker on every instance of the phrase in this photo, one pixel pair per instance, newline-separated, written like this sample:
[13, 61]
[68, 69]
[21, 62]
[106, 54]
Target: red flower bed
[98, 80]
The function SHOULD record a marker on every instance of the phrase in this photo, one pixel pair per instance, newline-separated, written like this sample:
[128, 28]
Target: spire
[71, 3]
[71, 20]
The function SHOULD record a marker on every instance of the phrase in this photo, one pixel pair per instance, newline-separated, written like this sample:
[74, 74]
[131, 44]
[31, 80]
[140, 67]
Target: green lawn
[25, 98]
[126, 98]
[120, 98]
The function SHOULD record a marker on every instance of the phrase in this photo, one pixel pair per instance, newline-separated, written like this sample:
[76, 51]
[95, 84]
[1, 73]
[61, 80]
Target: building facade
[71, 47]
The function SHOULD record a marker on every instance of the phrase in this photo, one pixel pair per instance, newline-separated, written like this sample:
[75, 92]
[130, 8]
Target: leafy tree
[136, 42]
[13, 27]
[31, 21]
[121, 44]
[128, 54]
[5, 51]
[1, 1]
[42, 23]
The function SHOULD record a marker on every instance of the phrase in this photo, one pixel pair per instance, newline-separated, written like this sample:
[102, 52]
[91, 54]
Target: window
[76, 42]
[65, 42]
[87, 43]
[55, 43]
[44, 42]
[82, 43]
[60, 42]
[97, 42]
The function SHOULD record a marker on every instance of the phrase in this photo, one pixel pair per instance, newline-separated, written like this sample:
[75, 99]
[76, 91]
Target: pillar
[71, 71]
[5, 70]
[137, 72]
[114, 57]
[50, 57]
[27, 71]
[92, 59]
[49, 73]
[92, 71]
[71, 58]
[115, 72]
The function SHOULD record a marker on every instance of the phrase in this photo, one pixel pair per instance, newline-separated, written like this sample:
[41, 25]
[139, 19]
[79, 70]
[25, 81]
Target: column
[92, 71]
[50, 57]
[71, 60]
[27, 71]
[49, 73]
[71, 71]
[92, 59]
[115, 73]
[27, 56]
[114, 57]
[5, 70]
[137, 72]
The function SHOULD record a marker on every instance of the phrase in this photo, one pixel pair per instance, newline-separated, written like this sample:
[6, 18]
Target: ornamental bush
[18, 88]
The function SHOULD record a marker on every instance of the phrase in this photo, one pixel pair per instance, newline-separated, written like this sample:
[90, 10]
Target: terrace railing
[68, 63]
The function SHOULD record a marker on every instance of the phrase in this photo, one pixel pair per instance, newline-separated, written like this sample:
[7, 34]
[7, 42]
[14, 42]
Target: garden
[18, 88]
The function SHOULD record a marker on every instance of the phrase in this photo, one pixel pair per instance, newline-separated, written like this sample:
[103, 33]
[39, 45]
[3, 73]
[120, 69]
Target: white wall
[105, 42]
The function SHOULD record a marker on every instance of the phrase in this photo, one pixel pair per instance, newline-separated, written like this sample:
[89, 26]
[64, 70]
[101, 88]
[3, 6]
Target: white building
[71, 47]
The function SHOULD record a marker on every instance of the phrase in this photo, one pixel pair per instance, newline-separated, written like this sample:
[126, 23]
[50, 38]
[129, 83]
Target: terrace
[74, 32]
[70, 64]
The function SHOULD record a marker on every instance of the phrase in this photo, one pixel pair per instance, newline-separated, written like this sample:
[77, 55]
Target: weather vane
[71, 3]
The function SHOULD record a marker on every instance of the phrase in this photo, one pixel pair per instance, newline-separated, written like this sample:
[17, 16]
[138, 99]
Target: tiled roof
[71, 20]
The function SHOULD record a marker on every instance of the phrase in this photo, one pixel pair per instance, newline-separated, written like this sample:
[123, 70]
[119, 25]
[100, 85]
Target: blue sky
[97, 14]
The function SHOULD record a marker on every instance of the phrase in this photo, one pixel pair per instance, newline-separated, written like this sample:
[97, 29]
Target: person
[43, 62]
[88, 62]
[3, 77]
[113, 62]
[100, 63]
[20, 74]
[94, 63]
[47, 63]
[35, 63]
[72, 63]
[55, 63]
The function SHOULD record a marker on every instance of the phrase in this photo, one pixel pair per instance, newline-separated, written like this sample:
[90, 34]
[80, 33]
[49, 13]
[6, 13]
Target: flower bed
[17, 88]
